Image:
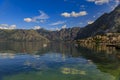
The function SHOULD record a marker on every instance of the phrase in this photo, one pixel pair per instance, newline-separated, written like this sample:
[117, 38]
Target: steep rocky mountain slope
[66, 34]
[108, 22]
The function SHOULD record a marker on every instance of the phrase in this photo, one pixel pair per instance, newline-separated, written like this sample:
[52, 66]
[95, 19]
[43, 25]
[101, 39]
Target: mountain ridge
[21, 35]
[108, 22]
[67, 34]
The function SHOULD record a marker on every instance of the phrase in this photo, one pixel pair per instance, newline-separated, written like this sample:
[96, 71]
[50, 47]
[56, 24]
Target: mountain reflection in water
[57, 61]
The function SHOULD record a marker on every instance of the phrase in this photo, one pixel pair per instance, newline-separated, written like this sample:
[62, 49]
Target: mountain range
[66, 34]
[21, 35]
[107, 23]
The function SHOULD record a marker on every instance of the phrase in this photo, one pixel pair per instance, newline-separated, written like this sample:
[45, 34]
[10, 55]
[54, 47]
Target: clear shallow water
[55, 61]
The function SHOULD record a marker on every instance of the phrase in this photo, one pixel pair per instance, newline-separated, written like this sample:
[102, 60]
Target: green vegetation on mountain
[67, 34]
[21, 35]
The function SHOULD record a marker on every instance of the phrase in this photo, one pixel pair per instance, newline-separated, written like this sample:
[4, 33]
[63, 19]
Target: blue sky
[52, 14]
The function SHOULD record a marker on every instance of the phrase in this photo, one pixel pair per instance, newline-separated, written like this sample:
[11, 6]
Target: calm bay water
[58, 61]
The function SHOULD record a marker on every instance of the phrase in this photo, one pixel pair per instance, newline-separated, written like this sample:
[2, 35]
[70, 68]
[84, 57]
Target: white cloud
[64, 26]
[117, 2]
[41, 18]
[54, 29]
[57, 23]
[82, 13]
[27, 19]
[90, 22]
[6, 26]
[37, 27]
[58, 29]
[42, 21]
[99, 2]
[65, 14]
[12, 27]
[74, 14]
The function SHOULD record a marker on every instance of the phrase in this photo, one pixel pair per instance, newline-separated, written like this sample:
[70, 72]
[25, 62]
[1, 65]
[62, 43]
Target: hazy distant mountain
[63, 34]
[38, 35]
[108, 22]
[21, 35]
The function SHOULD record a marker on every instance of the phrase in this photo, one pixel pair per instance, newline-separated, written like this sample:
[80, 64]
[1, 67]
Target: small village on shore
[108, 39]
